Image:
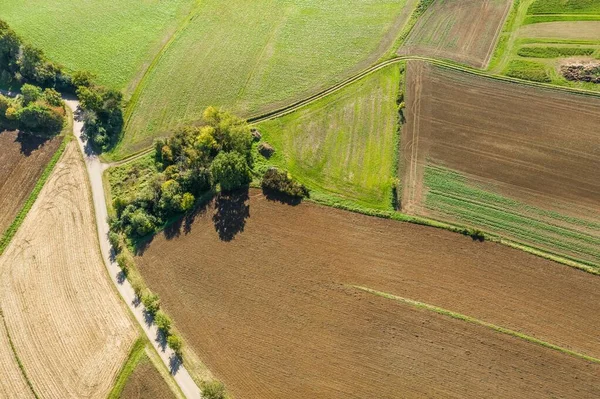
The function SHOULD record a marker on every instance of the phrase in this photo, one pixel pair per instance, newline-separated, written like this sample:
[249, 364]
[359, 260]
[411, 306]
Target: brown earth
[22, 161]
[69, 328]
[539, 146]
[271, 311]
[582, 30]
[465, 31]
[146, 383]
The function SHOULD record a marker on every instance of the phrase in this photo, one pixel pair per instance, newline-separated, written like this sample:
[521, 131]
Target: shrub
[282, 182]
[151, 302]
[124, 263]
[175, 343]
[115, 241]
[266, 150]
[41, 119]
[30, 93]
[53, 98]
[213, 390]
[163, 322]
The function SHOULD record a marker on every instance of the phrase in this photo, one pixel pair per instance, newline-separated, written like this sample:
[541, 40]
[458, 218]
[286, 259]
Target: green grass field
[253, 56]
[452, 197]
[564, 7]
[343, 144]
[114, 39]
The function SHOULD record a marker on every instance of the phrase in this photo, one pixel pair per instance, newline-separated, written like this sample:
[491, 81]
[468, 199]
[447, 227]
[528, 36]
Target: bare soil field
[146, 383]
[272, 312]
[530, 155]
[69, 329]
[567, 30]
[22, 161]
[12, 383]
[465, 31]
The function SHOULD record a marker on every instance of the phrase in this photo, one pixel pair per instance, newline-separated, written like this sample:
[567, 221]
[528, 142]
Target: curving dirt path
[95, 168]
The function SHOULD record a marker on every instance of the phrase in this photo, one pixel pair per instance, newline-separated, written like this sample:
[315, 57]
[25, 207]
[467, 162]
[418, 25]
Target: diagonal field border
[478, 322]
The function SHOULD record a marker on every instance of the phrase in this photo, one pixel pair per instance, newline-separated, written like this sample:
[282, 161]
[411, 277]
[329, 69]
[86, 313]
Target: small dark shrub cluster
[475, 234]
[265, 149]
[278, 181]
[213, 390]
[582, 72]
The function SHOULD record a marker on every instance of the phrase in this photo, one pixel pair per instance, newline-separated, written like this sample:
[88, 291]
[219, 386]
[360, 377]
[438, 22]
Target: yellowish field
[12, 383]
[69, 329]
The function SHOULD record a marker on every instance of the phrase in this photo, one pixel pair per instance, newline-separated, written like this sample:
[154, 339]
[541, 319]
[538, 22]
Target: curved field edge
[271, 66]
[135, 354]
[12, 229]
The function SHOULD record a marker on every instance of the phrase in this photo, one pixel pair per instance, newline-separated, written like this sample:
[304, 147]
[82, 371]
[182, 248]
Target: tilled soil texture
[22, 161]
[465, 31]
[517, 160]
[262, 291]
[146, 383]
[68, 327]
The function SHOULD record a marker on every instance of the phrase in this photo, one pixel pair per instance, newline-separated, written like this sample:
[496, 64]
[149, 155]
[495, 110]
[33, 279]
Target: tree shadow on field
[231, 212]
[275, 196]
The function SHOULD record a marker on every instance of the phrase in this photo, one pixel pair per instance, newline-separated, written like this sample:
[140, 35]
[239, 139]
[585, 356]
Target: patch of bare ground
[22, 160]
[465, 31]
[146, 383]
[271, 313]
[68, 327]
[566, 30]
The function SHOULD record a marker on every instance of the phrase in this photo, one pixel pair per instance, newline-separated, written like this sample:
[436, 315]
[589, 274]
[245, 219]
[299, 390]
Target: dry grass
[68, 327]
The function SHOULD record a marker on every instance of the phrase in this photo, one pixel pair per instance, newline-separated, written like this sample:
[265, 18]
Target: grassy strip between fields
[14, 351]
[478, 322]
[135, 355]
[12, 229]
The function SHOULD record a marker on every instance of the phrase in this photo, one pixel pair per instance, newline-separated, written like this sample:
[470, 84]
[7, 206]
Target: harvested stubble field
[516, 160]
[114, 39]
[465, 31]
[69, 329]
[22, 161]
[273, 312]
[293, 49]
[344, 143]
[567, 30]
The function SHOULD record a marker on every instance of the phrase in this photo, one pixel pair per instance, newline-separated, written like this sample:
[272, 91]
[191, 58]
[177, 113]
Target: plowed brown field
[509, 142]
[69, 329]
[272, 313]
[465, 31]
[22, 161]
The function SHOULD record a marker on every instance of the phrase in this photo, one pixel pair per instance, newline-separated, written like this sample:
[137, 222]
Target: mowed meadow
[253, 56]
[519, 161]
[116, 40]
[280, 311]
[344, 143]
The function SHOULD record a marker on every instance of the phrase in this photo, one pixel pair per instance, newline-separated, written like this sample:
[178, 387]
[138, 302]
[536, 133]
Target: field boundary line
[14, 351]
[472, 320]
[135, 355]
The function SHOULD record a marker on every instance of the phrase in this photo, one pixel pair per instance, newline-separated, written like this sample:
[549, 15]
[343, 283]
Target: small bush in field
[280, 181]
[213, 390]
[151, 302]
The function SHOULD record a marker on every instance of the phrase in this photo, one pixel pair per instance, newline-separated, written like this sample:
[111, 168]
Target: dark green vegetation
[554, 52]
[345, 143]
[190, 164]
[293, 48]
[564, 7]
[280, 181]
[35, 111]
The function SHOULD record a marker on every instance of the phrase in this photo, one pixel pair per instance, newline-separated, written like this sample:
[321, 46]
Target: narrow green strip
[14, 351]
[135, 355]
[472, 320]
[12, 229]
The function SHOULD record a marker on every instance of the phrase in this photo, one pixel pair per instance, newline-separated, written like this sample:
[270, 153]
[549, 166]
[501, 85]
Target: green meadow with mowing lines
[253, 56]
[452, 197]
[113, 39]
[344, 144]
[564, 7]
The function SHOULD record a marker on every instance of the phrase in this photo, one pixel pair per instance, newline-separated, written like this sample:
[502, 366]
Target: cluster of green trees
[191, 162]
[281, 181]
[102, 111]
[23, 63]
[36, 111]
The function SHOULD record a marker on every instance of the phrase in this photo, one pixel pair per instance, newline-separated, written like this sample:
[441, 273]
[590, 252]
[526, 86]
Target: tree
[163, 322]
[175, 343]
[141, 223]
[83, 78]
[230, 170]
[40, 119]
[52, 97]
[151, 302]
[213, 390]
[30, 93]
[187, 202]
[10, 45]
